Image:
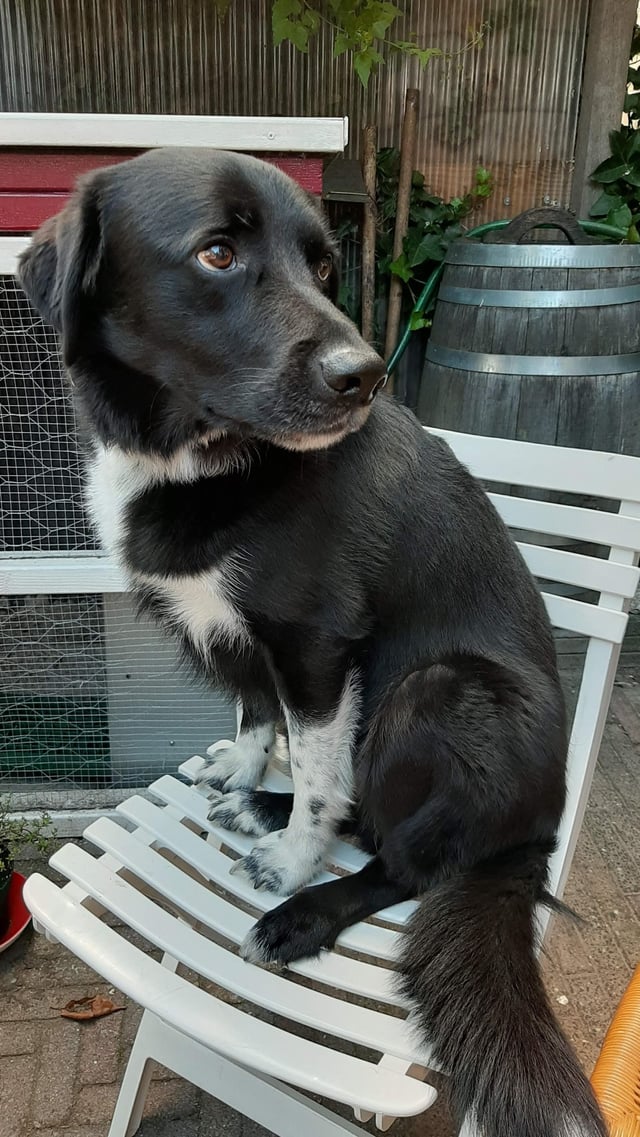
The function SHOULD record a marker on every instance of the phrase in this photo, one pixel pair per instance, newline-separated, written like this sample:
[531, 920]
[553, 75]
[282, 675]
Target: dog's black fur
[377, 557]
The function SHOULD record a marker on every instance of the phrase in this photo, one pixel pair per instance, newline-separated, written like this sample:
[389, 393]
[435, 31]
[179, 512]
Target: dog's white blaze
[201, 607]
[201, 604]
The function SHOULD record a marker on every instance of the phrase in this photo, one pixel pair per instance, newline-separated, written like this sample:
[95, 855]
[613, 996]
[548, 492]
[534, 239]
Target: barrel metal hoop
[469, 252]
[532, 364]
[527, 298]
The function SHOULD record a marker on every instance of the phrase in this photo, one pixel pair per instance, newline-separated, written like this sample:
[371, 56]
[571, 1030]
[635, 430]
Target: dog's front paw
[295, 930]
[277, 864]
[239, 812]
[240, 766]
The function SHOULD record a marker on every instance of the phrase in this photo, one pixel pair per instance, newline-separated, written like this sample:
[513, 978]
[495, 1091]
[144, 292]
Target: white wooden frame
[144, 131]
[249, 1064]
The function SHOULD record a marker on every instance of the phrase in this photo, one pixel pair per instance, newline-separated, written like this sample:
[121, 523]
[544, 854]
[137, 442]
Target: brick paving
[60, 1078]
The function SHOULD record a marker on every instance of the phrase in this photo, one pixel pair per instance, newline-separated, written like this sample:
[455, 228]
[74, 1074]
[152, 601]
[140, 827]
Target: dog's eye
[323, 268]
[217, 257]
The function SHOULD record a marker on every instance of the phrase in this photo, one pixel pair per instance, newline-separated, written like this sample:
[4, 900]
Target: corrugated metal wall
[511, 105]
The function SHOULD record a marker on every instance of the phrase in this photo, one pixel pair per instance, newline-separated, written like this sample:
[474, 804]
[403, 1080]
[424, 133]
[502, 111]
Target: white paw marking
[234, 811]
[278, 864]
[241, 766]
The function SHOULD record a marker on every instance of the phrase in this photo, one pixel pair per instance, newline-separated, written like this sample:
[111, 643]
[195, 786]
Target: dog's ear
[59, 270]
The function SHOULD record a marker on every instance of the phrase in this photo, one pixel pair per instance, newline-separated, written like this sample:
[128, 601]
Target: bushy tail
[469, 969]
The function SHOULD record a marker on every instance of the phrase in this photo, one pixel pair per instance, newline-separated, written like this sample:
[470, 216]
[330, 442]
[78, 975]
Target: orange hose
[616, 1076]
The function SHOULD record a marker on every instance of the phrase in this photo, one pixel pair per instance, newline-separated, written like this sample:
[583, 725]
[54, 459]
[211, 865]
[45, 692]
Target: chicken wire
[90, 696]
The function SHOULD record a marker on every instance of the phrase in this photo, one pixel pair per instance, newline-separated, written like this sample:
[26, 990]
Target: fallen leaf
[91, 1007]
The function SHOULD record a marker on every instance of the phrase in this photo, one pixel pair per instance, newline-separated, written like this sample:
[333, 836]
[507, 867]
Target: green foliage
[361, 28]
[619, 177]
[433, 224]
[16, 832]
[619, 174]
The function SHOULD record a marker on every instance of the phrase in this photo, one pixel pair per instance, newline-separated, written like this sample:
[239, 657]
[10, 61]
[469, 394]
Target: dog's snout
[354, 373]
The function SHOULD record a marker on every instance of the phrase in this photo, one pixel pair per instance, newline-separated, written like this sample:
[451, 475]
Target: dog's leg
[312, 920]
[320, 749]
[254, 812]
[242, 765]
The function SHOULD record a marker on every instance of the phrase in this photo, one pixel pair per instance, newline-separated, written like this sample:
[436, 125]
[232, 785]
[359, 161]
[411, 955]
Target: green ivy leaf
[633, 236]
[311, 19]
[222, 7]
[401, 267]
[620, 217]
[618, 141]
[604, 204]
[364, 62]
[341, 44]
[284, 28]
[429, 248]
[609, 171]
[418, 321]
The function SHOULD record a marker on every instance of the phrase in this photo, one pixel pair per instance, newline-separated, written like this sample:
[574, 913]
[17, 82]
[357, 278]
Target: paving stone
[55, 1083]
[159, 1127]
[626, 712]
[17, 1038]
[173, 1098]
[100, 1052]
[74, 1131]
[95, 1104]
[17, 1074]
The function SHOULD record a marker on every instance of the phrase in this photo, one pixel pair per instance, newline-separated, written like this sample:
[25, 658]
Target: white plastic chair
[160, 877]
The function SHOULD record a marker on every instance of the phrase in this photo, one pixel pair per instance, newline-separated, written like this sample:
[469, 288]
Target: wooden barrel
[539, 342]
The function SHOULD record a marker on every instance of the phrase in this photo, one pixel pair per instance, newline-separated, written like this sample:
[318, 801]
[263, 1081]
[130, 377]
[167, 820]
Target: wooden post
[407, 157]
[604, 85]
[369, 156]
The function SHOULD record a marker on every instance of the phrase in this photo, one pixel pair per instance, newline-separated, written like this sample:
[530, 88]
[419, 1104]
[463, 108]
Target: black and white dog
[325, 559]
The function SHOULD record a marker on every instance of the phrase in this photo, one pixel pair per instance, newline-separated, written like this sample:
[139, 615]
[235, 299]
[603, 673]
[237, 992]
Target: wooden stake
[407, 158]
[369, 156]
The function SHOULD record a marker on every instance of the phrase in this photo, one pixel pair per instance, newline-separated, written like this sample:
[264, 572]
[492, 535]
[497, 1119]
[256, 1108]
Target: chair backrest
[612, 578]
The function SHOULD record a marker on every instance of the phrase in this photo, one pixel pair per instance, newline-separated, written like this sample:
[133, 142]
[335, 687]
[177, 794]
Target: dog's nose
[356, 374]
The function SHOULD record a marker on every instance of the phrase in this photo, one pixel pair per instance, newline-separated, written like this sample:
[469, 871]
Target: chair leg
[127, 1116]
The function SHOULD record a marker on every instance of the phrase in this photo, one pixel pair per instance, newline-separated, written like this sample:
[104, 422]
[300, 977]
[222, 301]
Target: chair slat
[546, 467]
[614, 530]
[367, 939]
[263, 988]
[195, 807]
[218, 1026]
[209, 907]
[574, 568]
[586, 619]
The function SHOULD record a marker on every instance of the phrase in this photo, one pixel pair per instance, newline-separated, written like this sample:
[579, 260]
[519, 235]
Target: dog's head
[194, 294]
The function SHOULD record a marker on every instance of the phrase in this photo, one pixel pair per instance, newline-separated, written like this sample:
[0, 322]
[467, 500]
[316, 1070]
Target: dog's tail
[470, 972]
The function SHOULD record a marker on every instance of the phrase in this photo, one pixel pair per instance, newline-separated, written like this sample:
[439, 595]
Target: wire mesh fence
[90, 696]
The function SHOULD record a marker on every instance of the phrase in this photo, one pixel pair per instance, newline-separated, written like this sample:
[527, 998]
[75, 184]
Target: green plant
[433, 224]
[619, 174]
[16, 832]
[362, 28]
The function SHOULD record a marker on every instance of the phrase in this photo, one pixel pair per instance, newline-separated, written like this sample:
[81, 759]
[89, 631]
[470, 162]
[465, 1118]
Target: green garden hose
[597, 228]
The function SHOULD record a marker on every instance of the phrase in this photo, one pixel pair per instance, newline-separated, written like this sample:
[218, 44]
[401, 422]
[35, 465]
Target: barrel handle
[515, 232]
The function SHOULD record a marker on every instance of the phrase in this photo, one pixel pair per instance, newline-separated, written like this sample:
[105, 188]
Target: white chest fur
[202, 604]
